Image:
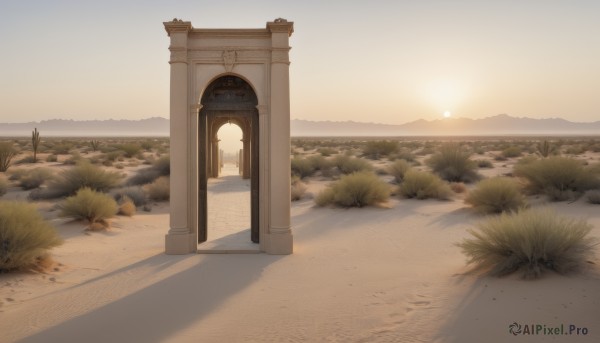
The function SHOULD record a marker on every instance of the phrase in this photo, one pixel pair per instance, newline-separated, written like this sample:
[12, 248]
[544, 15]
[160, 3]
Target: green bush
[82, 175]
[451, 163]
[159, 189]
[302, 167]
[34, 178]
[377, 149]
[560, 178]
[423, 185]
[349, 165]
[3, 185]
[496, 195]
[355, 190]
[89, 205]
[25, 237]
[398, 169]
[530, 240]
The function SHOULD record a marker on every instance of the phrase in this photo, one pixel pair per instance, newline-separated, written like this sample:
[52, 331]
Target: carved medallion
[229, 57]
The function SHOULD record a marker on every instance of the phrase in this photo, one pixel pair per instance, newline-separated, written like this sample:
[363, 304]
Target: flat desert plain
[385, 273]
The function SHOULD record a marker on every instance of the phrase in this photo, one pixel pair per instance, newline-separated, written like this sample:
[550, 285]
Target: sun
[447, 114]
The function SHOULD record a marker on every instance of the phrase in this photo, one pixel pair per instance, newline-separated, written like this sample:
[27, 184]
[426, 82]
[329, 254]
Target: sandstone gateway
[239, 76]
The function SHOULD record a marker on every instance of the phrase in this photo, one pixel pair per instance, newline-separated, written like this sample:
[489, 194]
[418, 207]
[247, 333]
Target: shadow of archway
[155, 312]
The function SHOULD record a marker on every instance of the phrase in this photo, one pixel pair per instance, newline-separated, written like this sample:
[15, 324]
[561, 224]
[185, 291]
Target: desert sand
[378, 274]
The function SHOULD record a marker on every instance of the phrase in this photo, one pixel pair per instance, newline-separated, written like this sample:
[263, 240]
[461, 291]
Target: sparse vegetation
[34, 178]
[531, 241]
[302, 167]
[545, 149]
[423, 185]
[378, 149]
[485, 164]
[355, 190]
[51, 158]
[7, 153]
[130, 149]
[3, 185]
[25, 237]
[126, 207]
[134, 193]
[512, 151]
[298, 188]
[349, 165]
[398, 169]
[94, 144]
[89, 205]
[82, 175]
[451, 163]
[593, 196]
[496, 195]
[560, 178]
[159, 189]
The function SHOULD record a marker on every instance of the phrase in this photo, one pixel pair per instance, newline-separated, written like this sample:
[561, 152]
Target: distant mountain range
[501, 124]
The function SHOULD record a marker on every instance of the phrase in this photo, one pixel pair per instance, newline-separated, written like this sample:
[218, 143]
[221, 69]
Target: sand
[377, 274]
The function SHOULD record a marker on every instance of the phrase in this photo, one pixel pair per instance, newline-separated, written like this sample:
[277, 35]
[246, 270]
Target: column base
[280, 244]
[180, 244]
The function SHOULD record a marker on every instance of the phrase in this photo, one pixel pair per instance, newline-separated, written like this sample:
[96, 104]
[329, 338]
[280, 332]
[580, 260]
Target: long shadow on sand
[154, 313]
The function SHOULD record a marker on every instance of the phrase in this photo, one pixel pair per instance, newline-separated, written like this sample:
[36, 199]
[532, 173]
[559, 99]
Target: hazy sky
[378, 61]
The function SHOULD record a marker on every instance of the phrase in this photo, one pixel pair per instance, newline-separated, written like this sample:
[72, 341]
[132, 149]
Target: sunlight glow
[447, 114]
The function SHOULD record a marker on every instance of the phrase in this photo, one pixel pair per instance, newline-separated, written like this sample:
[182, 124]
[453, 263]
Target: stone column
[215, 157]
[179, 239]
[280, 233]
[240, 162]
[246, 152]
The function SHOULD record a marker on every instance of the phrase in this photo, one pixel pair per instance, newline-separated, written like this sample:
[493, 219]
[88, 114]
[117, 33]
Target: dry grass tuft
[25, 237]
[423, 185]
[89, 205]
[531, 241]
[355, 190]
[496, 195]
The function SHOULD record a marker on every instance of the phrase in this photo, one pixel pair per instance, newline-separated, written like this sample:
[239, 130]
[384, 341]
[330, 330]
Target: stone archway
[202, 59]
[228, 98]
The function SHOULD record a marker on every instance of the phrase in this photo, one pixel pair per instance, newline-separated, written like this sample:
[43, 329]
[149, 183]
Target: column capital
[281, 25]
[177, 26]
[262, 110]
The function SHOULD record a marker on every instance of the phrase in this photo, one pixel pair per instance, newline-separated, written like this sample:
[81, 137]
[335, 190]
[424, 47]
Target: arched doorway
[227, 99]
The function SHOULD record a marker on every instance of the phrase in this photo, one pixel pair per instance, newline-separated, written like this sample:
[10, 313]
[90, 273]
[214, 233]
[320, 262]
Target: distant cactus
[35, 141]
[6, 155]
[95, 144]
[545, 149]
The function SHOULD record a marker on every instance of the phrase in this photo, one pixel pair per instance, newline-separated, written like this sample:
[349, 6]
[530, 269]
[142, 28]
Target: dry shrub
[424, 185]
[134, 193]
[458, 187]
[160, 167]
[484, 164]
[560, 178]
[34, 178]
[7, 153]
[355, 190]
[377, 149]
[51, 158]
[84, 174]
[159, 189]
[298, 189]
[3, 185]
[496, 195]
[451, 163]
[593, 196]
[89, 205]
[130, 149]
[530, 240]
[302, 167]
[25, 237]
[126, 207]
[398, 169]
[512, 151]
[349, 165]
